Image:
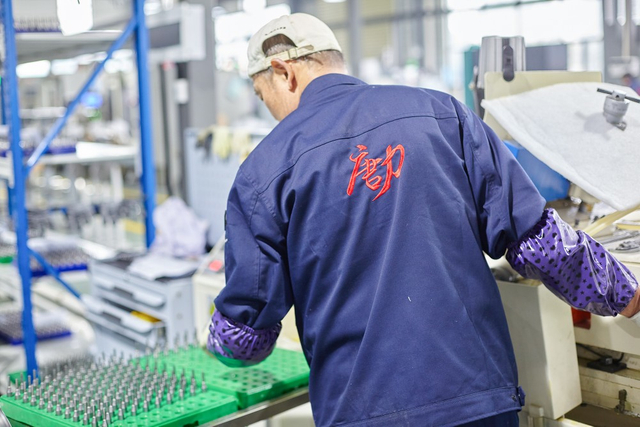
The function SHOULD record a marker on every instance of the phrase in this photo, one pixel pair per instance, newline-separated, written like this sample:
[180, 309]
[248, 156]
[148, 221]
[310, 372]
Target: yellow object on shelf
[144, 316]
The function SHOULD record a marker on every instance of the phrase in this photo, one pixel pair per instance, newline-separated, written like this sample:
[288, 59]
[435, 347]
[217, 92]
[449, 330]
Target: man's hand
[634, 306]
[237, 345]
[576, 268]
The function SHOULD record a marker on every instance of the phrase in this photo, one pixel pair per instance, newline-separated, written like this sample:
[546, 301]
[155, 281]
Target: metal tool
[628, 246]
[616, 106]
[625, 235]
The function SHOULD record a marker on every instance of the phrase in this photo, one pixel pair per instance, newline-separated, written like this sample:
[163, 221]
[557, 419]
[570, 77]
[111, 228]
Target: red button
[216, 265]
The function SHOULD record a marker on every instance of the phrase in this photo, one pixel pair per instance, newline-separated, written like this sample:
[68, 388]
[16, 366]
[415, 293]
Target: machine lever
[622, 97]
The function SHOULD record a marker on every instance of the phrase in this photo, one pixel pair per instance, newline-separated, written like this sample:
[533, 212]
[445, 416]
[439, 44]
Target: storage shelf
[30, 46]
[39, 46]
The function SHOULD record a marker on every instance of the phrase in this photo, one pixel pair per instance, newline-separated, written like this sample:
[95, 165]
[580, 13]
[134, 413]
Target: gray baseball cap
[308, 33]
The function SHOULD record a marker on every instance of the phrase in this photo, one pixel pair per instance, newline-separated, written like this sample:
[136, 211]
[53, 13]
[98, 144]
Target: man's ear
[285, 70]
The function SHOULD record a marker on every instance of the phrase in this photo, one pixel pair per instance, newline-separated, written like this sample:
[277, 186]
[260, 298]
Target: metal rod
[355, 36]
[4, 116]
[10, 199]
[12, 109]
[57, 127]
[627, 28]
[630, 98]
[148, 178]
[51, 271]
[4, 122]
[263, 411]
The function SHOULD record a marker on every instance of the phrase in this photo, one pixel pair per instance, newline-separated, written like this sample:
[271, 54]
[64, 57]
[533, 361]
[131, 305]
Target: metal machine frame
[17, 172]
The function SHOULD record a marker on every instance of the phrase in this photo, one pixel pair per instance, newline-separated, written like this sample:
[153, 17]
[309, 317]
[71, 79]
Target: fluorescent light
[64, 67]
[75, 16]
[89, 58]
[117, 65]
[122, 54]
[33, 70]
[85, 59]
[334, 1]
[152, 7]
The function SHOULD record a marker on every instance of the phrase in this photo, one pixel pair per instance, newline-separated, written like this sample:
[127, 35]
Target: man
[632, 82]
[369, 208]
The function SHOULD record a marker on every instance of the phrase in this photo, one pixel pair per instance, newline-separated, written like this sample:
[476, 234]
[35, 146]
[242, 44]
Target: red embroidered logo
[368, 167]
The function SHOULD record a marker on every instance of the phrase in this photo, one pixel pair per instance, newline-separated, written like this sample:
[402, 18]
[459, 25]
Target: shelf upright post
[148, 179]
[12, 111]
[4, 122]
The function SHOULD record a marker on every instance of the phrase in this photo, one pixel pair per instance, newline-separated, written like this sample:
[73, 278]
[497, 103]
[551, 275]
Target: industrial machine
[131, 313]
[568, 358]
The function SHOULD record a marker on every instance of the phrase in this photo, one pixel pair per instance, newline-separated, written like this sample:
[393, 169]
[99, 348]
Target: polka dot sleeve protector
[236, 345]
[573, 266]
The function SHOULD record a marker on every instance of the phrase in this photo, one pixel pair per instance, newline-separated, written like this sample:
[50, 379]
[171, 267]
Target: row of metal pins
[108, 388]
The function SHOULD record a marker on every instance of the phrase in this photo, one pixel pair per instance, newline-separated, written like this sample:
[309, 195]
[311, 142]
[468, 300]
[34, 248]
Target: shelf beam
[51, 271]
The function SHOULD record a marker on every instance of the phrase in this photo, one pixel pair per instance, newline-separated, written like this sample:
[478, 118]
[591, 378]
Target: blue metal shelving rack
[136, 27]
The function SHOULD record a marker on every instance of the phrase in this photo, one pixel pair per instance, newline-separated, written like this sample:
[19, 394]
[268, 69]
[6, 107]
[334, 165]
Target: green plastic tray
[280, 373]
[228, 389]
[194, 410]
[17, 376]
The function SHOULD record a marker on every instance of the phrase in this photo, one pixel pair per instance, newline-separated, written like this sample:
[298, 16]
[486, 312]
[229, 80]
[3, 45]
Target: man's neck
[308, 78]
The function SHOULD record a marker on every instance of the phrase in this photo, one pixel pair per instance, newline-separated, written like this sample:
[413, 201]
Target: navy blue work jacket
[369, 208]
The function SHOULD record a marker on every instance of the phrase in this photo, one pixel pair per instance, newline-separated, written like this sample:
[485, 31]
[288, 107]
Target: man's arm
[575, 267]
[258, 294]
[506, 201]
[542, 246]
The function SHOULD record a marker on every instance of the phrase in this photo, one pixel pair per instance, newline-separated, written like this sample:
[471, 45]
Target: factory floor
[600, 417]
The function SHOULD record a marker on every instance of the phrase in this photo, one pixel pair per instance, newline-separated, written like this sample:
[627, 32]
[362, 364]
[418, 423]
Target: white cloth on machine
[563, 126]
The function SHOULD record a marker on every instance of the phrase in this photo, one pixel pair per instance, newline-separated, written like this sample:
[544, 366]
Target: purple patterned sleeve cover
[573, 266]
[231, 341]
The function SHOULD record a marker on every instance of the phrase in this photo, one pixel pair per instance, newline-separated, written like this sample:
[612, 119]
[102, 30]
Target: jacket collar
[322, 83]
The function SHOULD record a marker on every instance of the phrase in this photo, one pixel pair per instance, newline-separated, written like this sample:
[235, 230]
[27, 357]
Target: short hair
[281, 43]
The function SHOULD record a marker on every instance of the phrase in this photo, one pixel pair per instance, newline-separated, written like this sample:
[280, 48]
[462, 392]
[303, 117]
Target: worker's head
[627, 79]
[286, 55]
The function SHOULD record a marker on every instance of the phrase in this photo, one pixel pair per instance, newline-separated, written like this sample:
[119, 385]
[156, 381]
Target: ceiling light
[64, 67]
[33, 70]
[75, 16]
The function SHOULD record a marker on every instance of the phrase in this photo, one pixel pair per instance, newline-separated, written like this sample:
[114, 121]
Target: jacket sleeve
[573, 266]
[238, 345]
[258, 293]
[507, 203]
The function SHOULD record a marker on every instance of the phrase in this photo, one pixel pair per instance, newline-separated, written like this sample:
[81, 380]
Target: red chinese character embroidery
[368, 167]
